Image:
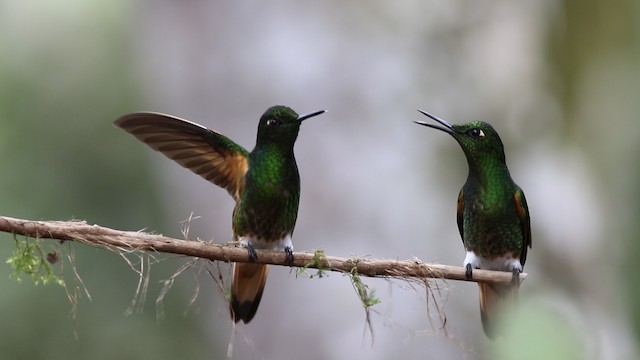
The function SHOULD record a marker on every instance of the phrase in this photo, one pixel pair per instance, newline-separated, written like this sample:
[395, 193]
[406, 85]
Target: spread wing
[205, 152]
[460, 214]
[522, 210]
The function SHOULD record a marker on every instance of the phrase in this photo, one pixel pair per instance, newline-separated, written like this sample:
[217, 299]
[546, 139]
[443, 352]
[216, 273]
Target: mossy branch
[100, 236]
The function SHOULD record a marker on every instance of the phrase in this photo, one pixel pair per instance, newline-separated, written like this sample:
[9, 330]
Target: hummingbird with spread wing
[492, 214]
[264, 183]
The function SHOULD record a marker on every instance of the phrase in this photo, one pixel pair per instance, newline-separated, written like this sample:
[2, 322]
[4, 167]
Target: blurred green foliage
[536, 331]
[63, 79]
[65, 75]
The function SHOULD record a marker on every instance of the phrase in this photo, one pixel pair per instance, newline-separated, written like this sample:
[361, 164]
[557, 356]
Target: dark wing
[205, 152]
[460, 214]
[525, 222]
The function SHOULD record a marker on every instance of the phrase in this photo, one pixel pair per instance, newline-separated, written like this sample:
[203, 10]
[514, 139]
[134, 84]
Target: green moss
[366, 295]
[318, 262]
[28, 260]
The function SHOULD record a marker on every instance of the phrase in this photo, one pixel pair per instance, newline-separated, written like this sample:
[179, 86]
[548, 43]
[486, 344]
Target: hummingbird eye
[476, 133]
[272, 122]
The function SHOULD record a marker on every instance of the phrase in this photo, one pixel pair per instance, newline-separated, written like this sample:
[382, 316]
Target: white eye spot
[476, 133]
[272, 122]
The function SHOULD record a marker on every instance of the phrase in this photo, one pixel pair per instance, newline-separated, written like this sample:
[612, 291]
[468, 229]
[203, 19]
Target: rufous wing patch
[522, 210]
[207, 153]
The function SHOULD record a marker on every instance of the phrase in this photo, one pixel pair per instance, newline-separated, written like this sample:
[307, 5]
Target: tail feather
[246, 291]
[493, 298]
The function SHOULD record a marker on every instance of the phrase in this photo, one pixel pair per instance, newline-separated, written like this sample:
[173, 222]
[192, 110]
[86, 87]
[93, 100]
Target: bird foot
[468, 272]
[289, 254]
[515, 279]
[252, 253]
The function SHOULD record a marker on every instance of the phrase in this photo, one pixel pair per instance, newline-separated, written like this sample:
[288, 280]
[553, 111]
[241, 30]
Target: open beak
[448, 127]
[305, 117]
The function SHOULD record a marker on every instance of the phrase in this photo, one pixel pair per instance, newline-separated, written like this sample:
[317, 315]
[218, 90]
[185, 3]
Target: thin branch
[140, 241]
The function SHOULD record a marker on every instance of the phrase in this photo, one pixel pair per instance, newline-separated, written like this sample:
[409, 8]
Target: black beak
[305, 117]
[448, 127]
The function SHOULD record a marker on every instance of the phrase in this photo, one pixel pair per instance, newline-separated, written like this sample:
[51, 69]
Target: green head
[280, 124]
[478, 139]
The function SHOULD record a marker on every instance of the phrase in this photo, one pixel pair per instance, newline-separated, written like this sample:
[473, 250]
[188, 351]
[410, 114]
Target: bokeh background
[558, 79]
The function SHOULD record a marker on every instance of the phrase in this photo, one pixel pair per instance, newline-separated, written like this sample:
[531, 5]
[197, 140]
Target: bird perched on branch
[264, 183]
[492, 214]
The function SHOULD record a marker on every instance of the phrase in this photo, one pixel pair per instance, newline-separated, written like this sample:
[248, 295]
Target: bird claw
[515, 279]
[252, 253]
[289, 255]
[468, 272]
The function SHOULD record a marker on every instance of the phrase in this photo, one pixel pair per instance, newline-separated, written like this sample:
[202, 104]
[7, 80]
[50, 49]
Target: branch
[137, 240]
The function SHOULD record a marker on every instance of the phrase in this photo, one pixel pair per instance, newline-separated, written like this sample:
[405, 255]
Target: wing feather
[460, 214]
[205, 152]
[522, 210]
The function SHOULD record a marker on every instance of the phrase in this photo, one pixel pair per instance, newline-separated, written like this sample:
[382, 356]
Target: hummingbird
[264, 183]
[492, 214]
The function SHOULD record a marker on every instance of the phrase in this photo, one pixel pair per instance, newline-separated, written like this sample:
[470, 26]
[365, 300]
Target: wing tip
[150, 118]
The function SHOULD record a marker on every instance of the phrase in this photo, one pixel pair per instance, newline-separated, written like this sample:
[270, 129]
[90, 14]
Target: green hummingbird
[492, 214]
[265, 184]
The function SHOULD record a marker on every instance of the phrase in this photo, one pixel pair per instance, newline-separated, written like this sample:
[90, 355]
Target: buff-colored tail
[493, 298]
[246, 291]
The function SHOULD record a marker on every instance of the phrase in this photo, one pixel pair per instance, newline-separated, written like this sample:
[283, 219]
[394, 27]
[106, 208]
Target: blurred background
[559, 80]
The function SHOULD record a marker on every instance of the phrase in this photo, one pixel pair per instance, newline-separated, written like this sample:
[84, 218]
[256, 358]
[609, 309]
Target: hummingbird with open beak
[492, 214]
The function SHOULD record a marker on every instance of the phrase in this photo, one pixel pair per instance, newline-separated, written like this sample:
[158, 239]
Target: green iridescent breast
[268, 207]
